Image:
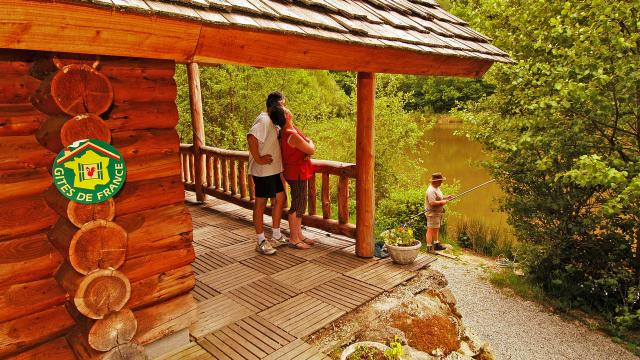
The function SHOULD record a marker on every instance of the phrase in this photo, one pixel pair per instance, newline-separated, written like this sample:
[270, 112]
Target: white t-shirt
[433, 194]
[267, 134]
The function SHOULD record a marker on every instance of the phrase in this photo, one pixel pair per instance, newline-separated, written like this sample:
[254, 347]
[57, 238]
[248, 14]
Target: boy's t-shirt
[267, 134]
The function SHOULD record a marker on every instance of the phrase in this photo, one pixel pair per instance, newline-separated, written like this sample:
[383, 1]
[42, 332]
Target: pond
[459, 158]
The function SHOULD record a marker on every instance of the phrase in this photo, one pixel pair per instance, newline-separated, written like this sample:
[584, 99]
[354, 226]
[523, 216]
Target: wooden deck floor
[253, 306]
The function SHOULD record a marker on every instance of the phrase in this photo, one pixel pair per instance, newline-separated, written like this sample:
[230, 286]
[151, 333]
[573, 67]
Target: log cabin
[105, 280]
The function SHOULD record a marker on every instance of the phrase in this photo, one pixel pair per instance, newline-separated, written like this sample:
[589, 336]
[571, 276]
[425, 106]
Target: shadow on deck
[252, 306]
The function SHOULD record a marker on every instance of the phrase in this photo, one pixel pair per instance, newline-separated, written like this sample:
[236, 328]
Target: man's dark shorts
[268, 186]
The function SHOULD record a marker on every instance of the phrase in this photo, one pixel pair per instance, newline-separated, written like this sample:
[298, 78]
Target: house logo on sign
[89, 171]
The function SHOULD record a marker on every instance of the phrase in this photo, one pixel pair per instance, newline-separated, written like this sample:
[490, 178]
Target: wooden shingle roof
[416, 25]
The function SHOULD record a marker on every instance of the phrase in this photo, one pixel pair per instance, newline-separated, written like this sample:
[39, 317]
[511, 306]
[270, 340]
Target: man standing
[434, 203]
[265, 166]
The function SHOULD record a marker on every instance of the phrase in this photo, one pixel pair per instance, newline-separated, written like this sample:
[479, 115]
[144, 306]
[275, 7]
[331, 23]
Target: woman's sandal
[309, 241]
[300, 245]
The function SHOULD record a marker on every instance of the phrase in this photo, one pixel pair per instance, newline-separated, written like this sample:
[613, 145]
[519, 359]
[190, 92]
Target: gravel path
[519, 329]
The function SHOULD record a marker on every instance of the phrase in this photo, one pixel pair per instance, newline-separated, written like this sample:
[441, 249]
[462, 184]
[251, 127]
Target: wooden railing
[226, 177]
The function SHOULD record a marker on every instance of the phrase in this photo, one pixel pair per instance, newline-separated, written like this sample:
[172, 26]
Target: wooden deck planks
[341, 262]
[252, 306]
[210, 261]
[273, 264]
[382, 273]
[229, 277]
[302, 315]
[241, 251]
[305, 276]
[193, 351]
[297, 350]
[250, 338]
[216, 313]
[345, 293]
[262, 294]
[202, 292]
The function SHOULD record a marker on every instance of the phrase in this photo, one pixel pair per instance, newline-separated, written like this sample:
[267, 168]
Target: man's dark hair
[274, 98]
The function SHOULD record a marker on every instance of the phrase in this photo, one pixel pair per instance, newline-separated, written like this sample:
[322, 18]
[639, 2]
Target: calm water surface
[458, 158]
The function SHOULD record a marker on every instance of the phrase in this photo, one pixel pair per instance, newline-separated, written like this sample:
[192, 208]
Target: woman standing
[296, 151]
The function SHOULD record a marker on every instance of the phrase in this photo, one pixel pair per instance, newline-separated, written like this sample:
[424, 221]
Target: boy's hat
[437, 176]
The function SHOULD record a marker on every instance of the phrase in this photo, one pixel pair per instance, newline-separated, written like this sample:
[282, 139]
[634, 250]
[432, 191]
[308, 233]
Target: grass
[484, 239]
[520, 285]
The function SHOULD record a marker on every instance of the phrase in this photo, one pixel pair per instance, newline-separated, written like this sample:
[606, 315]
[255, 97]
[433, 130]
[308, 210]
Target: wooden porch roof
[395, 36]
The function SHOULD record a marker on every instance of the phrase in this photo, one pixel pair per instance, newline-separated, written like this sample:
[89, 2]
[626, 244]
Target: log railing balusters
[312, 193]
[233, 177]
[343, 200]
[326, 200]
[209, 172]
[227, 172]
[225, 175]
[243, 179]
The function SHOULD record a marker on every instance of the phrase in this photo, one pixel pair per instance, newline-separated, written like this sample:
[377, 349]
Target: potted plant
[401, 245]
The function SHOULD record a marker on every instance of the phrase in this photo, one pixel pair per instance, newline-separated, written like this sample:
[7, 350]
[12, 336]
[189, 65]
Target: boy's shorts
[268, 186]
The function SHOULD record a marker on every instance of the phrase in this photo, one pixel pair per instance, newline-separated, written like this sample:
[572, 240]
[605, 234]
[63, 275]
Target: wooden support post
[197, 122]
[365, 191]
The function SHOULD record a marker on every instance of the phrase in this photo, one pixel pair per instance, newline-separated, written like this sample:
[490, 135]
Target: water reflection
[458, 158]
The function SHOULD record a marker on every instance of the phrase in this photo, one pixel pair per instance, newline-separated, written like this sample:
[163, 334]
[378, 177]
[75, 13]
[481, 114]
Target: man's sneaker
[279, 242]
[265, 248]
[438, 247]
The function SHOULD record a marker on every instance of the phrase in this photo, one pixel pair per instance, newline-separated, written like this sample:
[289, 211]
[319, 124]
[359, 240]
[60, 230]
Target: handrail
[226, 169]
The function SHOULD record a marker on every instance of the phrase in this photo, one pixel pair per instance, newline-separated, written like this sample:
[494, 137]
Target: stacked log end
[123, 265]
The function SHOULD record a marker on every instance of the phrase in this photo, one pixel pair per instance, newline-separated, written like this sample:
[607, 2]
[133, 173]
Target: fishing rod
[455, 197]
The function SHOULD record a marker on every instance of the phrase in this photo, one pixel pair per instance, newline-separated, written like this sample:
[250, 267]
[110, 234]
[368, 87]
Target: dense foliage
[563, 126]
[323, 104]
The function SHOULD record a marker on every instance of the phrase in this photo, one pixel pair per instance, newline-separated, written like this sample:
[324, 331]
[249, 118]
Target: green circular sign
[89, 171]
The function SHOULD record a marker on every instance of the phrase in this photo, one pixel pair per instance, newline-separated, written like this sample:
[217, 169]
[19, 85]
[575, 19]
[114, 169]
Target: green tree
[564, 129]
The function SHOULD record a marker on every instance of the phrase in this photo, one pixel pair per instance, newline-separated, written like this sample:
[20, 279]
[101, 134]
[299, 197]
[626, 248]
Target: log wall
[54, 296]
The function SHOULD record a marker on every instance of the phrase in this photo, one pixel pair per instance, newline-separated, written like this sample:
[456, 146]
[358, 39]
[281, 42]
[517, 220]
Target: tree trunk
[97, 294]
[98, 244]
[161, 286]
[60, 131]
[157, 230]
[23, 182]
[27, 259]
[156, 192]
[135, 90]
[114, 329]
[74, 90]
[155, 322]
[25, 215]
[16, 89]
[144, 115]
[24, 299]
[132, 68]
[79, 214]
[57, 349]
[20, 119]
[22, 333]
[150, 265]
[83, 351]
[23, 152]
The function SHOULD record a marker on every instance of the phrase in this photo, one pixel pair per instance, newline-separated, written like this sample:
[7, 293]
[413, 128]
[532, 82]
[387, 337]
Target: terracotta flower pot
[403, 255]
[351, 348]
